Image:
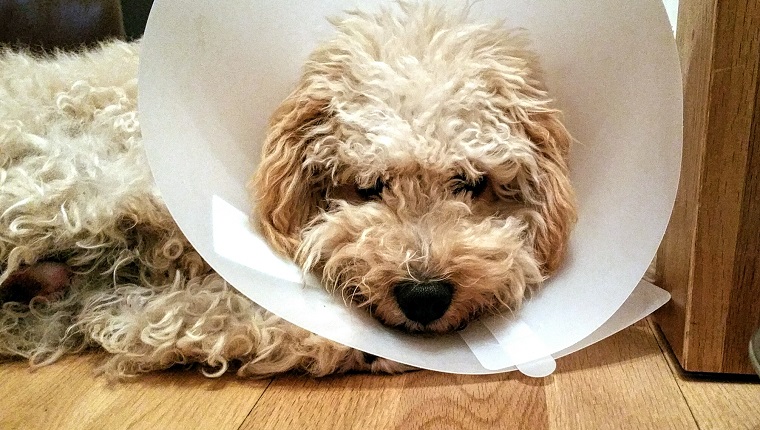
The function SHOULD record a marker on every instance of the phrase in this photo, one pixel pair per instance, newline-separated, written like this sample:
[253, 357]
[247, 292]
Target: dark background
[47, 25]
[135, 15]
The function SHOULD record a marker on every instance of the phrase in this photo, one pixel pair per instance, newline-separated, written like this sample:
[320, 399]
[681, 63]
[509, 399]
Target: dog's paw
[377, 364]
[45, 279]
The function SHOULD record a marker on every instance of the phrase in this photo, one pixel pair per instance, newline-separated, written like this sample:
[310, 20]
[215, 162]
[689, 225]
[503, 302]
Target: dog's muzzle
[424, 302]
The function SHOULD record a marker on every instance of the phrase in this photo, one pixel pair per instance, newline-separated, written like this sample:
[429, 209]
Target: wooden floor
[626, 381]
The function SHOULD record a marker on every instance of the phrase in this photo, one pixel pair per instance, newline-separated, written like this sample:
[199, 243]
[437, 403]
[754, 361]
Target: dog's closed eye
[463, 185]
[511, 191]
[371, 193]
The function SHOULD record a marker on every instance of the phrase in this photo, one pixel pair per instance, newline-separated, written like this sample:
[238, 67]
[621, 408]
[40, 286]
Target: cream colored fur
[75, 187]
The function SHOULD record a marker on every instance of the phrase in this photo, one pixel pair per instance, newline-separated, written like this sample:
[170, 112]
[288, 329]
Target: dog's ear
[545, 188]
[286, 188]
[552, 195]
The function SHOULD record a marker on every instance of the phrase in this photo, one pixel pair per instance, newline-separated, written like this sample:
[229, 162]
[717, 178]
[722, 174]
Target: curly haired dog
[83, 228]
[419, 168]
[440, 170]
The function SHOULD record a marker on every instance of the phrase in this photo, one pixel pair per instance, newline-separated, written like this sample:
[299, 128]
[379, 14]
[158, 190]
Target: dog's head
[419, 169]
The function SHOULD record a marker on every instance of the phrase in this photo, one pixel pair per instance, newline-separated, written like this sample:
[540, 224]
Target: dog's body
[75, 190]
[419, 168]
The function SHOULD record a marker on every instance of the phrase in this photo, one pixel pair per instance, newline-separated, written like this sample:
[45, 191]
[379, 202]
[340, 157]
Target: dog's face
[419, 170]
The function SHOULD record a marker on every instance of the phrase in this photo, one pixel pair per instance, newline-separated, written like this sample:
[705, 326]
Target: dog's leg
[41, 279]
[222, 330]
[375, 364]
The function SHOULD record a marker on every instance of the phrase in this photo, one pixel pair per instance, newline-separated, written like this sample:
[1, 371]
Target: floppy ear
[287, 190]
[552, 195]
[546, 190]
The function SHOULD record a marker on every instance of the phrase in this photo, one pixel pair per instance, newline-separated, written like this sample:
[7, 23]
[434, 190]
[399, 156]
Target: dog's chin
[436, 327]
[441, 326]
[446, 324]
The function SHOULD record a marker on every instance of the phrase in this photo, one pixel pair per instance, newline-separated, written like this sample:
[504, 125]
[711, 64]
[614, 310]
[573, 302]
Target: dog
[419, 168]
[453, 190]
[91, 258]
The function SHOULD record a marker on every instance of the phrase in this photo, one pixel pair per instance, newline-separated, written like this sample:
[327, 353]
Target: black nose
[424, 302]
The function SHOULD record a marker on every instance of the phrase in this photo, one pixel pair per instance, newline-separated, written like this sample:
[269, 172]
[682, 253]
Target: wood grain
[732, 104]
[746, 296]
[695, 40]
[714, 403]
[723, 406]
[360, 401]
[622, 382]
[708, 256]
[442, 401]
[418, 400]
[68, 396]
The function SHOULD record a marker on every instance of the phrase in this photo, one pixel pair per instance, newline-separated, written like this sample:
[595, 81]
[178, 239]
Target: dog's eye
[511, 190]
[476, 187]
[372, 192]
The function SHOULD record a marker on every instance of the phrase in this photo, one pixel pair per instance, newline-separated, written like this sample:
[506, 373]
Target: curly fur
[365, 172]
[75, 188]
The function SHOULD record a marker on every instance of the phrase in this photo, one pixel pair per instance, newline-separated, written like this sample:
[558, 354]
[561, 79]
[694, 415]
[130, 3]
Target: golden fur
[419, 147]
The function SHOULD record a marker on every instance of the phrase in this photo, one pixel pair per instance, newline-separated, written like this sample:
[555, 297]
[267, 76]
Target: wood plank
[727, 405]
[708, 250]
[732, 105]
[67, 395]
[695, 40]
[717, 404]
[744, 309]
[622, 382]
[364, 401]
[414, 400]
[439, 401]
